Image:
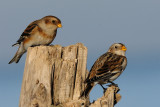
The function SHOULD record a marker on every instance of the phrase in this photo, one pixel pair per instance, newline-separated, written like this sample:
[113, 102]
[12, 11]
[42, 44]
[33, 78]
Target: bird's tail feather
[16, 44]
[16, 58]
[18, 55]
[87, 90]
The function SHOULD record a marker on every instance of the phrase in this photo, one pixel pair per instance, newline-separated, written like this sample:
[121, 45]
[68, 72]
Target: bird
[38, 32]
[106, 68]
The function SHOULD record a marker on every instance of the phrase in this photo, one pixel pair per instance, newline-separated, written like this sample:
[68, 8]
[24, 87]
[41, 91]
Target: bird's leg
[37, 45]
[43, 45]
[33, 45]
[104, 89]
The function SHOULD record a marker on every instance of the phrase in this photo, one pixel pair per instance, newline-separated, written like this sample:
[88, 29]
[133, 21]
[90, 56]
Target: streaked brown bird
[39, 32]
[107, 68]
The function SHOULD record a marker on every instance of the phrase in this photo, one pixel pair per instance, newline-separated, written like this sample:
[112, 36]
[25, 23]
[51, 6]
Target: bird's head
[118, 48]
[52, 22]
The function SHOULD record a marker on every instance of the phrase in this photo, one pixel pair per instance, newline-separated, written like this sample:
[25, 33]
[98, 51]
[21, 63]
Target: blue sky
[97, 24]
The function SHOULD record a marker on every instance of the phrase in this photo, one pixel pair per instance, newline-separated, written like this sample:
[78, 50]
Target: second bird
[39, 32]
[106, 68]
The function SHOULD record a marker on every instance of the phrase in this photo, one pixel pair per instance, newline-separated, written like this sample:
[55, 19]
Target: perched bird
[106, 68]
[39, 32]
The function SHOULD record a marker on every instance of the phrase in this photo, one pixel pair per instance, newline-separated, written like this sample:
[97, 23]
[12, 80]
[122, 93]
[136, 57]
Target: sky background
[97, 24]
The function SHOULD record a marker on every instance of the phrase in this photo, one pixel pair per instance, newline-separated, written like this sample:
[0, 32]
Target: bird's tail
[18, 55]
[16, 44]
[87, 90]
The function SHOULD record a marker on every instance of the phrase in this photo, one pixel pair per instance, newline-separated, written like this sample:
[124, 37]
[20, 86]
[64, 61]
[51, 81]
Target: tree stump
[54, 77]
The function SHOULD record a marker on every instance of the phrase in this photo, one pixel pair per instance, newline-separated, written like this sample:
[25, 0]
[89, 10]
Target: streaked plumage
[107, 67]
[39, 32]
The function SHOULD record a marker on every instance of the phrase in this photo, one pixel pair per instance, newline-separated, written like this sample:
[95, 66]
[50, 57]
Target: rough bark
[109, 99]
[54, 77]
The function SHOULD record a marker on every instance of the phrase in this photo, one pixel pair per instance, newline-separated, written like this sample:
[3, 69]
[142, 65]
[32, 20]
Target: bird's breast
[43, 39]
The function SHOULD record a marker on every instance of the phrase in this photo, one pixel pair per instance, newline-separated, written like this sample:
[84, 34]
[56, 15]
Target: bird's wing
[27, 32]
[105, 67]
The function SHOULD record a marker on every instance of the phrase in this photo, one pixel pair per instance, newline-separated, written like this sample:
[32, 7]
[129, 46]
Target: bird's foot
[37, 45]
[112, 84]
[33, 45]
[116, 85]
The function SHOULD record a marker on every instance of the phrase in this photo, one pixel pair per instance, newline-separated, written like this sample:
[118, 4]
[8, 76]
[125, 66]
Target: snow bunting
[106, 68]
[39, 32]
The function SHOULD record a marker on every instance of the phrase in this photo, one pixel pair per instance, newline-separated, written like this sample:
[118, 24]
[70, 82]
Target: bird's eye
[116, 47]
[53, 21]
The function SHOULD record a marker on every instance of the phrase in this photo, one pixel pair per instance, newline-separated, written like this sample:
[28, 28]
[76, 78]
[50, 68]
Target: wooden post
[54, 77]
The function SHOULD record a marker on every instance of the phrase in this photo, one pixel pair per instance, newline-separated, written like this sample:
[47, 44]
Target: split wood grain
[54, 77]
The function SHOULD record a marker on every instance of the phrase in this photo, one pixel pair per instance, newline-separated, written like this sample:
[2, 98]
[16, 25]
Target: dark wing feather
[98, 64]
[106, 76]
[110, 65]
[104, 66]
[26, 33]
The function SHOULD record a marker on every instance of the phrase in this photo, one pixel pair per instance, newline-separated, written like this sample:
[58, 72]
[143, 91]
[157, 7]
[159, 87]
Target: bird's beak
[59, 25]
[124, 48]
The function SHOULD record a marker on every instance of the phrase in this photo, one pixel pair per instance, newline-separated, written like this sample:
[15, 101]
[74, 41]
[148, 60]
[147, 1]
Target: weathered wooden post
[54, 77]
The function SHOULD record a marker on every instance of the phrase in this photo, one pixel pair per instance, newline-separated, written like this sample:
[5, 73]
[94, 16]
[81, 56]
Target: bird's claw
[112, 84]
